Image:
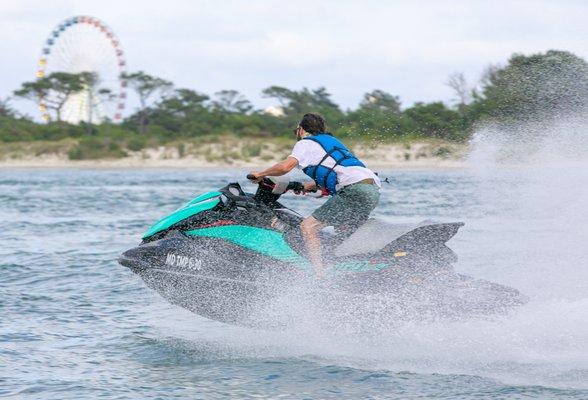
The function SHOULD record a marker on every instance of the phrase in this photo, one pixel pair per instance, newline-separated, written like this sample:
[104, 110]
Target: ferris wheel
[86, 44]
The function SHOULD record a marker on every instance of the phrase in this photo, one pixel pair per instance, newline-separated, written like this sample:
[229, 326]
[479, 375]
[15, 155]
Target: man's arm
[279, 169]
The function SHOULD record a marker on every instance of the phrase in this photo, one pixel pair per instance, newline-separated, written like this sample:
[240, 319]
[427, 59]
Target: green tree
[231, 101]
[296, 103]
[96, 94]
[183, 111]
[146, 87]
[284, 96]
[435, 120]
[458, 83]
[53, 91]
[534, 87]
[183, 102]
[299, 102]
[378, 100]
[378, 117]
[5, 109]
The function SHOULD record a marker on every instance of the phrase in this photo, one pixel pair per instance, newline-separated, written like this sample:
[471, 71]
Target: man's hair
[313, 123]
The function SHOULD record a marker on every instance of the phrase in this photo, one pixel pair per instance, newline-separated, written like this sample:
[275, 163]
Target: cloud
[407, 48]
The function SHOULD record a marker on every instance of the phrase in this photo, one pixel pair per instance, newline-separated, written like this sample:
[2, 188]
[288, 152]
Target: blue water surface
[75, 324]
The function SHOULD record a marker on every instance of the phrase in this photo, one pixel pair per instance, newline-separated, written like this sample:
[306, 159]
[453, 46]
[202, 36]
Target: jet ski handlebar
[272, 184]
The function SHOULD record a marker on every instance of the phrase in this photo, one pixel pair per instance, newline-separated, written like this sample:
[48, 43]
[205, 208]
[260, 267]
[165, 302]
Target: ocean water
[74, 324]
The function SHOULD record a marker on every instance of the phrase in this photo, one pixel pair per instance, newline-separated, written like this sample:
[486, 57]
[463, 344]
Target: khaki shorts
[350, 207]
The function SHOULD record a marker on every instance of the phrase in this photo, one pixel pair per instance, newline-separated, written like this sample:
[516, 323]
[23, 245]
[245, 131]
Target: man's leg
[360, 201]
[328, 214]
[310, 228]
[348, 207]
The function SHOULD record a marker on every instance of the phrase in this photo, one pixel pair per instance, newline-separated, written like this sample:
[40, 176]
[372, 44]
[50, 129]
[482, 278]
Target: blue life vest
[326, 177]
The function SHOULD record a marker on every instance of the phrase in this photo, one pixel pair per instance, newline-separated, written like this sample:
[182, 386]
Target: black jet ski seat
[376, 235]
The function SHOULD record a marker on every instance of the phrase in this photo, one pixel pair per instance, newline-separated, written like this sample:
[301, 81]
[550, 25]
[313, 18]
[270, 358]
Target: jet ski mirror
[234, 191]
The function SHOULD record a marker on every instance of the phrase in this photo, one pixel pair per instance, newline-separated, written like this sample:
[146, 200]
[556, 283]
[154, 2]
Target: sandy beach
[235, 154]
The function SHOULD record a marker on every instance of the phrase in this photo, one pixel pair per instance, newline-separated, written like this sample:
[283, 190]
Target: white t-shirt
[309, 152]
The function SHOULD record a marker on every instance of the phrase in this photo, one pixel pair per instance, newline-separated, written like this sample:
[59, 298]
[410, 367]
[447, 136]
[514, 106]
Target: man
[354, 189]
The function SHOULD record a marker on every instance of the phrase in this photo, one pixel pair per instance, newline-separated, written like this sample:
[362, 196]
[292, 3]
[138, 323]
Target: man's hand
[306, 187]
[309, 186]
[258, 176]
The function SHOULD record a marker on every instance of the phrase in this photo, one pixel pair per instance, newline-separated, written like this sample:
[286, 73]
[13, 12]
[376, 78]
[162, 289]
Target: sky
[407, 48]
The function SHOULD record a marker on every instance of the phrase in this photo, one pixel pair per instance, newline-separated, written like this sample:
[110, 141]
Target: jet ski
[228, 254]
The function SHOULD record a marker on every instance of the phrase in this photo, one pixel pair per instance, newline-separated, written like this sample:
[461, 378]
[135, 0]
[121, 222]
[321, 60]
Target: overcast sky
[407, 48]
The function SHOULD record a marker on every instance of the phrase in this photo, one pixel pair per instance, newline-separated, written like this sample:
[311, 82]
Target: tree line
[545, 85]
